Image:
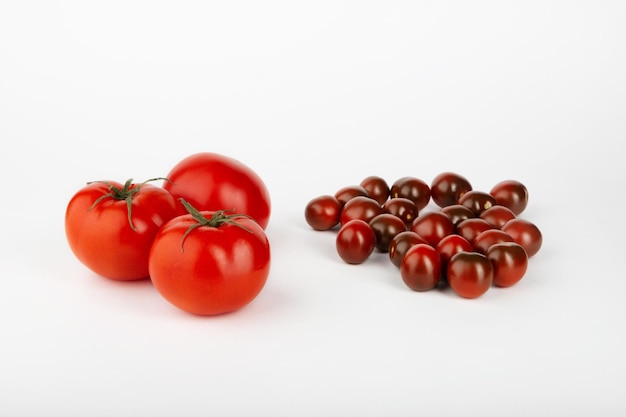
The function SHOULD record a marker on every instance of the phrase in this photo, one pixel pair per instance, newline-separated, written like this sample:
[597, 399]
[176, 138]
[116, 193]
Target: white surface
[315, 97]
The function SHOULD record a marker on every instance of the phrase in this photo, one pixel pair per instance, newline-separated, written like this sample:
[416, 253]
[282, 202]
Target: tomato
[110, 227]
[511, 194]
[210, 262]
[412, 188]
[526, 233]
[497, 216]
[433, 226]
[355, 241]
[509, 261]
[450, 246]
[470, 228]
[348, 192]
[402, 208]
[470, 274]
[401, 243]
[322, 212]
[457, 213]
[210, 182]
[477, 201]
[360, 207]
[485, 239]
[421, 267]
[386, 226]
[447, 187]
[376, 187]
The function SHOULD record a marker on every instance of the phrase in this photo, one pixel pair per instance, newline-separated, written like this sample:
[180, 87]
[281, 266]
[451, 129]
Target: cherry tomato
[433, 226]
[355, 241]
[509, 261]
[348, 192]
[448, 187]
[403, 208]
[401, 243]
[457, 213]
[449, 246]
[322, 212]
[421, 267]
[497, 216]
[526, 233]
[210, 181]
[110, 227]
[470, 274]
[477, 201]
[511, 194]
[470, 228]
[386, 226]
[360, 207]
[412, 188]
[209, 263]
[485, 239]
[376, 187]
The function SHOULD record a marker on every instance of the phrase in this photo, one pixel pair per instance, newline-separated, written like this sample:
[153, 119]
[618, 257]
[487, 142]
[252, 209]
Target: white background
[314, 96]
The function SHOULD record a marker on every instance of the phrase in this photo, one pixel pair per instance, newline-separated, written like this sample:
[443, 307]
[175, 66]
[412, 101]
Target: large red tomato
[209, 263]
[210, 182]
[110, 227]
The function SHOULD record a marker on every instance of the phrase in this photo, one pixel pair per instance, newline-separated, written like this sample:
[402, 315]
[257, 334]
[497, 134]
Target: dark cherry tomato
[360, 207]
[322, 212]
[448, 187]
[457, 213]
[484, 240]
[386, 226]
[355, 241]
[470, 228]
[477, 201]
[401, 243]
[376, 187]
[509, 261]
[401, 207]
[526, 233]
[348, 192]
[421, 267]
[511, 194]
[450, 246]
[412, 188]
[470, 274]
[497, 216]
[433, 226]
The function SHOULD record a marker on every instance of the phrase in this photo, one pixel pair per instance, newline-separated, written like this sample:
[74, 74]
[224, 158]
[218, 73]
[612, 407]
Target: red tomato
[359, 207]
[511, 194]
[322, 212]
[433, 226]
[211, 182]
[497, 216]
[386, 226]
[485, 239]
[376, 187]
[509, 261]
[402, 208]
[470, 228]
[450, 246]
[355, 241]
[421, 267]
[470, 274]
[110, 227]
[348, 192]
[447, 187]
[209, 263]
[401, 243]
[526, 233]
[412, 188]
[477, 201]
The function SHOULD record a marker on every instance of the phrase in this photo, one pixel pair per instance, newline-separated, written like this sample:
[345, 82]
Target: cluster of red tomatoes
[200, 237]
[474, 240]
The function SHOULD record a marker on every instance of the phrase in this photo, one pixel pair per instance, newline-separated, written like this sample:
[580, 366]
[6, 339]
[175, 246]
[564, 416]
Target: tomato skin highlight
[210, 181]
[101, 237]
[216, 271]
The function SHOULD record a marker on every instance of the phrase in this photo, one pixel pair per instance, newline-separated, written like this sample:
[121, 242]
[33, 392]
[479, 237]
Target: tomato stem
[126, 193]
[217, 219]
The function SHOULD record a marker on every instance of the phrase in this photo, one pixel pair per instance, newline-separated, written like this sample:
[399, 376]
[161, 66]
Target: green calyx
[125, 193]
[217, 219]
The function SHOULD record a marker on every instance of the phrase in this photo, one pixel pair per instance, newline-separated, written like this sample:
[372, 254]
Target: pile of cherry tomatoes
[471, 242]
